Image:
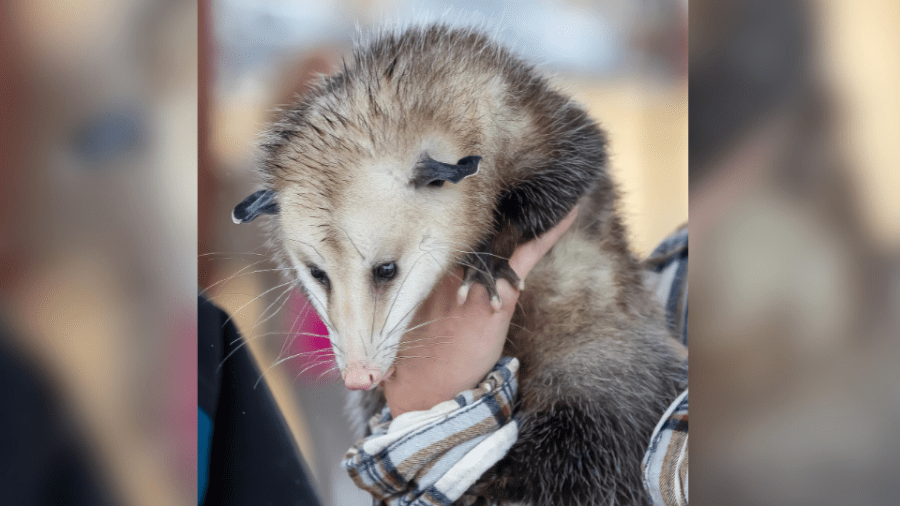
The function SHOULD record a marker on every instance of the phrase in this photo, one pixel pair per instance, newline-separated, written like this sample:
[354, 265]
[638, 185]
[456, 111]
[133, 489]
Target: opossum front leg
[488, 264]
[524, 211]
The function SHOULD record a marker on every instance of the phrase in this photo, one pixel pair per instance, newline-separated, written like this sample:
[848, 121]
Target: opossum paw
[486, 269]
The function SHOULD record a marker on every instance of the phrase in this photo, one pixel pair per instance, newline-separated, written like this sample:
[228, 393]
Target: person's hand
[451, 347]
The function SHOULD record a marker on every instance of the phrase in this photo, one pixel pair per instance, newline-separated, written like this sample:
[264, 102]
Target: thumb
[527, 255]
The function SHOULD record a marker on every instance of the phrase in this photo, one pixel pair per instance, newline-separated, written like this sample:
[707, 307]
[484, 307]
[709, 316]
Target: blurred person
[96, 244]
[44, 460]
[792, 311]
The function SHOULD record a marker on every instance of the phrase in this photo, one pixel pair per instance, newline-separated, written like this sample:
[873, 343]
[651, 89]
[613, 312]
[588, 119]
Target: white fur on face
[383, 219]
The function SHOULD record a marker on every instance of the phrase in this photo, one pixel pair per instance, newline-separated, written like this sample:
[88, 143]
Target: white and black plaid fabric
[665, 464]
[665, 273]
[431, 458]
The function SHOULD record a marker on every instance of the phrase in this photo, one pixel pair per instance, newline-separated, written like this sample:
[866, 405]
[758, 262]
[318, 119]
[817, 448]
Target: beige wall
[861, 53]
[647, 126]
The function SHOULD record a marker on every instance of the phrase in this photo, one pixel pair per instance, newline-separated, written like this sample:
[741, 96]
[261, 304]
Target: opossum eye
[386, 271]
[319, 275]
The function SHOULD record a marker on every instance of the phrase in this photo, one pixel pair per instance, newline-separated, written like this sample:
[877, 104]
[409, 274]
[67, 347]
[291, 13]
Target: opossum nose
[359, 376]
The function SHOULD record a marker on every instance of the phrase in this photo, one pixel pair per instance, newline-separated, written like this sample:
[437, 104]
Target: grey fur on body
[598, 365]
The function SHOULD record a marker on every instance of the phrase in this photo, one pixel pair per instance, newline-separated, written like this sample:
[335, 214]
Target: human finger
[527, 255]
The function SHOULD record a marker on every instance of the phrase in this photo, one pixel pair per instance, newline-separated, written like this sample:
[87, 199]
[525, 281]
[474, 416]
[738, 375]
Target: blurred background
[795, 238]
[98, 232]
[625, 61]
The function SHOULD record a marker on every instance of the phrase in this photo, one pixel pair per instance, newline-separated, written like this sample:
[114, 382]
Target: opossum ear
[261, 202]
[432, 172]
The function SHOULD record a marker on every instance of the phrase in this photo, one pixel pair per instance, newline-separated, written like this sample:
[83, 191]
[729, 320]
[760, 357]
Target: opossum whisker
[285, 359]
[239, 275]
[444, 269]
[222, 295]
[397, 325]
[330, 364]
[417, 356]
[397, 293]
[435, 320]
[313, 366]
[449, 270]
[381, 348]
[236, 253]
[429, 338]
[415, 340]
[251, 301]
[361, 343]
[520, 326]
[323, 373]
[464, 263]
[291, 336]
[396, 346]
[404, 350]
[338, 348]
[282, 333]
[473, 252]
[429, 322]
[374, 310]
[260, 320]
[422, 345]
[322, 352]
[322, 316]
[229, 278]
[246, 341]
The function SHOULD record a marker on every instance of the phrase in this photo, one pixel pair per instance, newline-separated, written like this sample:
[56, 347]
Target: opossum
[434, 147]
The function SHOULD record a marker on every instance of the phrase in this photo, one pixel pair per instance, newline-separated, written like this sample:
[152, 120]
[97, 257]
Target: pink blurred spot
[317, 357]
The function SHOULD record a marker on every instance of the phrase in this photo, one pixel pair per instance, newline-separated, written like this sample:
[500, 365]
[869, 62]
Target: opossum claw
[502, 270]
[485, 269]
[463, 293]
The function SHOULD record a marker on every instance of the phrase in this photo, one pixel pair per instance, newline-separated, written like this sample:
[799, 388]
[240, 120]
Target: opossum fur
[349, 175]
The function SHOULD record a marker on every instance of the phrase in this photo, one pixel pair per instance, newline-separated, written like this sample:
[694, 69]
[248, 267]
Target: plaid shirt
[665, 464]
[431, 458]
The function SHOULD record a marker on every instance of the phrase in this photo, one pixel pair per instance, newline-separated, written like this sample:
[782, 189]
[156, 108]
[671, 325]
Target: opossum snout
[363, 376]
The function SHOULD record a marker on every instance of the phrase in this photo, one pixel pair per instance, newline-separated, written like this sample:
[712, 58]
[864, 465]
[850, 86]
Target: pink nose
[362, 377]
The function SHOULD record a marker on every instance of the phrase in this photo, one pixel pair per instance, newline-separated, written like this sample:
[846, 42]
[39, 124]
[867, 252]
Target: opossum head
[368, 254]
[383, 178]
